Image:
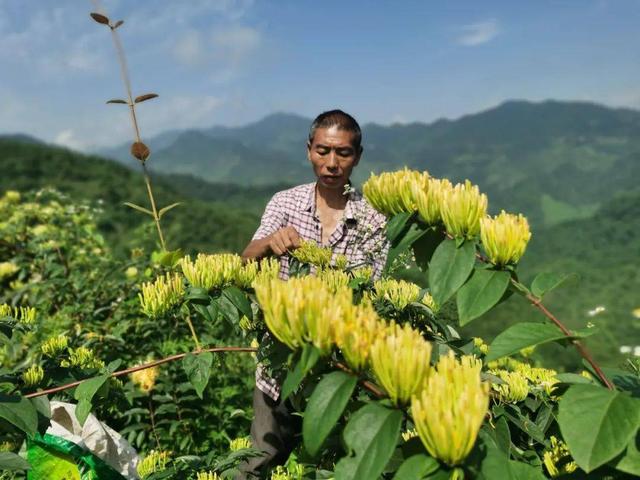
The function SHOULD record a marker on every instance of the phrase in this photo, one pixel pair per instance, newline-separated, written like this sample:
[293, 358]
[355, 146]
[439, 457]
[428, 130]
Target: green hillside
[553, 161]
[195, 225]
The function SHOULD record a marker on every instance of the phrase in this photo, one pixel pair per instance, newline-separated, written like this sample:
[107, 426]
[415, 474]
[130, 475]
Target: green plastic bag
[54, 458]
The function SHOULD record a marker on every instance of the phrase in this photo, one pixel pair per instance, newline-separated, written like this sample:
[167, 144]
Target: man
[330, 213]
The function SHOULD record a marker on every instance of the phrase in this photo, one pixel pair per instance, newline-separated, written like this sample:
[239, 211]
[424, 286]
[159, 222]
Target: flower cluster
[208, 476]
[449, 411]
[515, 373]
[7, 269]
[558, 460]
[462, 208]
[145, 379]
[212, 271]
[399, 293]
[239, 443]
[334, 279]
[391, 193]
[54, 345]
[401, 362]
[504, 237]
[430, 198]
[33, 375]
[154, 462]
[81, 357]
[25, 315]
[160, 296]
[312, 253]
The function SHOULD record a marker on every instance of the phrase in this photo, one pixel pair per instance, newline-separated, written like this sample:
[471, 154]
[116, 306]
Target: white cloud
[68, 138]
[478, 33]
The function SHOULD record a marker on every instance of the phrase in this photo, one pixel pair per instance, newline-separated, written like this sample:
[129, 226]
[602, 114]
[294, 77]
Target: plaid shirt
[360, 236]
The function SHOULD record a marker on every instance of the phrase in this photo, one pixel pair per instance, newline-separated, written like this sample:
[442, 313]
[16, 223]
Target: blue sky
[231, 62]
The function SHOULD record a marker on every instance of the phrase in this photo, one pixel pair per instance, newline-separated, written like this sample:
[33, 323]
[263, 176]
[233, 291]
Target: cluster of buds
[355, 335]
[312, 253]
[54, 345]
[514, 389]
[208, 476]
[504, 237]
[160, 296]
[391, 193]
[401, 361]
[212, 271]
[7, 269]
[537, 378]
[302, 310]
[429, 199]
[449, 411]
[155, 461]
[292, 472]
[33, 375]
[558, 460]
[145, 379]
[25, 315]
[239, 443]
[399, 293]
[363, 274]
[334, 279]
[81, 357]
[462, 208]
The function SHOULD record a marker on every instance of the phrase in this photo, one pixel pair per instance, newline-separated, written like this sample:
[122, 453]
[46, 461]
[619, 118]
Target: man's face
[333, 156]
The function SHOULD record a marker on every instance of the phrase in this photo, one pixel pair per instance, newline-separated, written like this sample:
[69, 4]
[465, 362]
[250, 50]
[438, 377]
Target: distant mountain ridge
[551, 160]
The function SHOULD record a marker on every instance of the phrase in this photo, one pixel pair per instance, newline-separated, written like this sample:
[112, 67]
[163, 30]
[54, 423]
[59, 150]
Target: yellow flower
[504, 237]
[429, 199]
[25, 315]
[430, 302]
[398, 292]
[7, 269]
[40, 230]
[145, 379]
[558, 460]
[391, 193]
[154, 462]
[636, 312]
[480, 345]
[356, 334]
[245, 324]
[11, 196]
[341, 262]
[208, 476]
[334, 279]
[239, 443]
[312, 253]
[302, 310]
[449, 411]
[364, 273]
[211, 271]
[295, 472]
[269, 269]
[54, 345]
[515, 389]
[131, 272]
[82, 357]
[247, 274]
[33, 375]
[409, 434]
[463, 207]
[400, 360]
[158, 297]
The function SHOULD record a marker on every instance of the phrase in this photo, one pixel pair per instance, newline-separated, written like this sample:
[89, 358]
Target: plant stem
[141, 367]
[156, 218]
[193, 333]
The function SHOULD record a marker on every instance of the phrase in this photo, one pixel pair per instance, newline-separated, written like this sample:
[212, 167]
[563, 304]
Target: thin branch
[372, 387]
[141, 367]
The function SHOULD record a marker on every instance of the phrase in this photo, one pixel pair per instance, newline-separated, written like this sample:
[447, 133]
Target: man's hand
[284, 240]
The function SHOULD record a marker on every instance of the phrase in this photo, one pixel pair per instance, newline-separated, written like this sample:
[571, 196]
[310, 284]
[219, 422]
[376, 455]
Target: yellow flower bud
[154, 462]
[11, 196]
[208, 476]
[341, 262]
[558, 460]
[356, 334]
[145, 379]
[515, 389]
[504, 237]
[211, 271]
[239, 443]
[7, 269]
[429, 197]
[54, 345]
[25, 315]
[399, 293]
[334, 279]
[480, 345]
[400, 360]
[391, 193]
[430, 302]
[312, 253]
[33, 375]
[463, 207]
[82, 357]
[247, 274]
[364, 273]
[449, 411]
[131, 272]
[160, 296]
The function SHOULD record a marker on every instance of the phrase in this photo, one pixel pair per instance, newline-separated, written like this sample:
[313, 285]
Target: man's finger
[277, 246]
[293, 237]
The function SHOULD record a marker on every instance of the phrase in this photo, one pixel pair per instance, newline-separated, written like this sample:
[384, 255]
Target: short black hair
[340, 119]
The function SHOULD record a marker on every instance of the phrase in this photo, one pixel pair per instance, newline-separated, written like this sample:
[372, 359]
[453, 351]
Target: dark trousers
[274, 430]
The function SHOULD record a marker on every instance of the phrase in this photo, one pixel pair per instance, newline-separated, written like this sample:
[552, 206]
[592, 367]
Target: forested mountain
[553, 161]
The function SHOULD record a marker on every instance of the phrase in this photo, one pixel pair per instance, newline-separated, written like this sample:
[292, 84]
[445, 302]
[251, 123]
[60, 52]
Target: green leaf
[522, 335]
[425, 246]
[396, 226]
[309, 356]
[139, 208]
[84, 393]
[523, 471]
[545, 282]
[42, 406]
[20, 412]
[416, 467]
[328, 401]
[597, 424]
[629, 462]
[198, 370]
[167, 208]
[449, 269]
[228, 310]
[11, 461]
[239, 300]
[414, 232]
[371, 435]
[484, 289]
[496, 465]
[169, 258]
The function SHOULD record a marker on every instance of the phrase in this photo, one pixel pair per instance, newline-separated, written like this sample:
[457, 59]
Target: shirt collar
[308, 201]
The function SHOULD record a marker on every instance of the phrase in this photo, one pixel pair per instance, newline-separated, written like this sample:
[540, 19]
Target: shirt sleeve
[272, 220]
